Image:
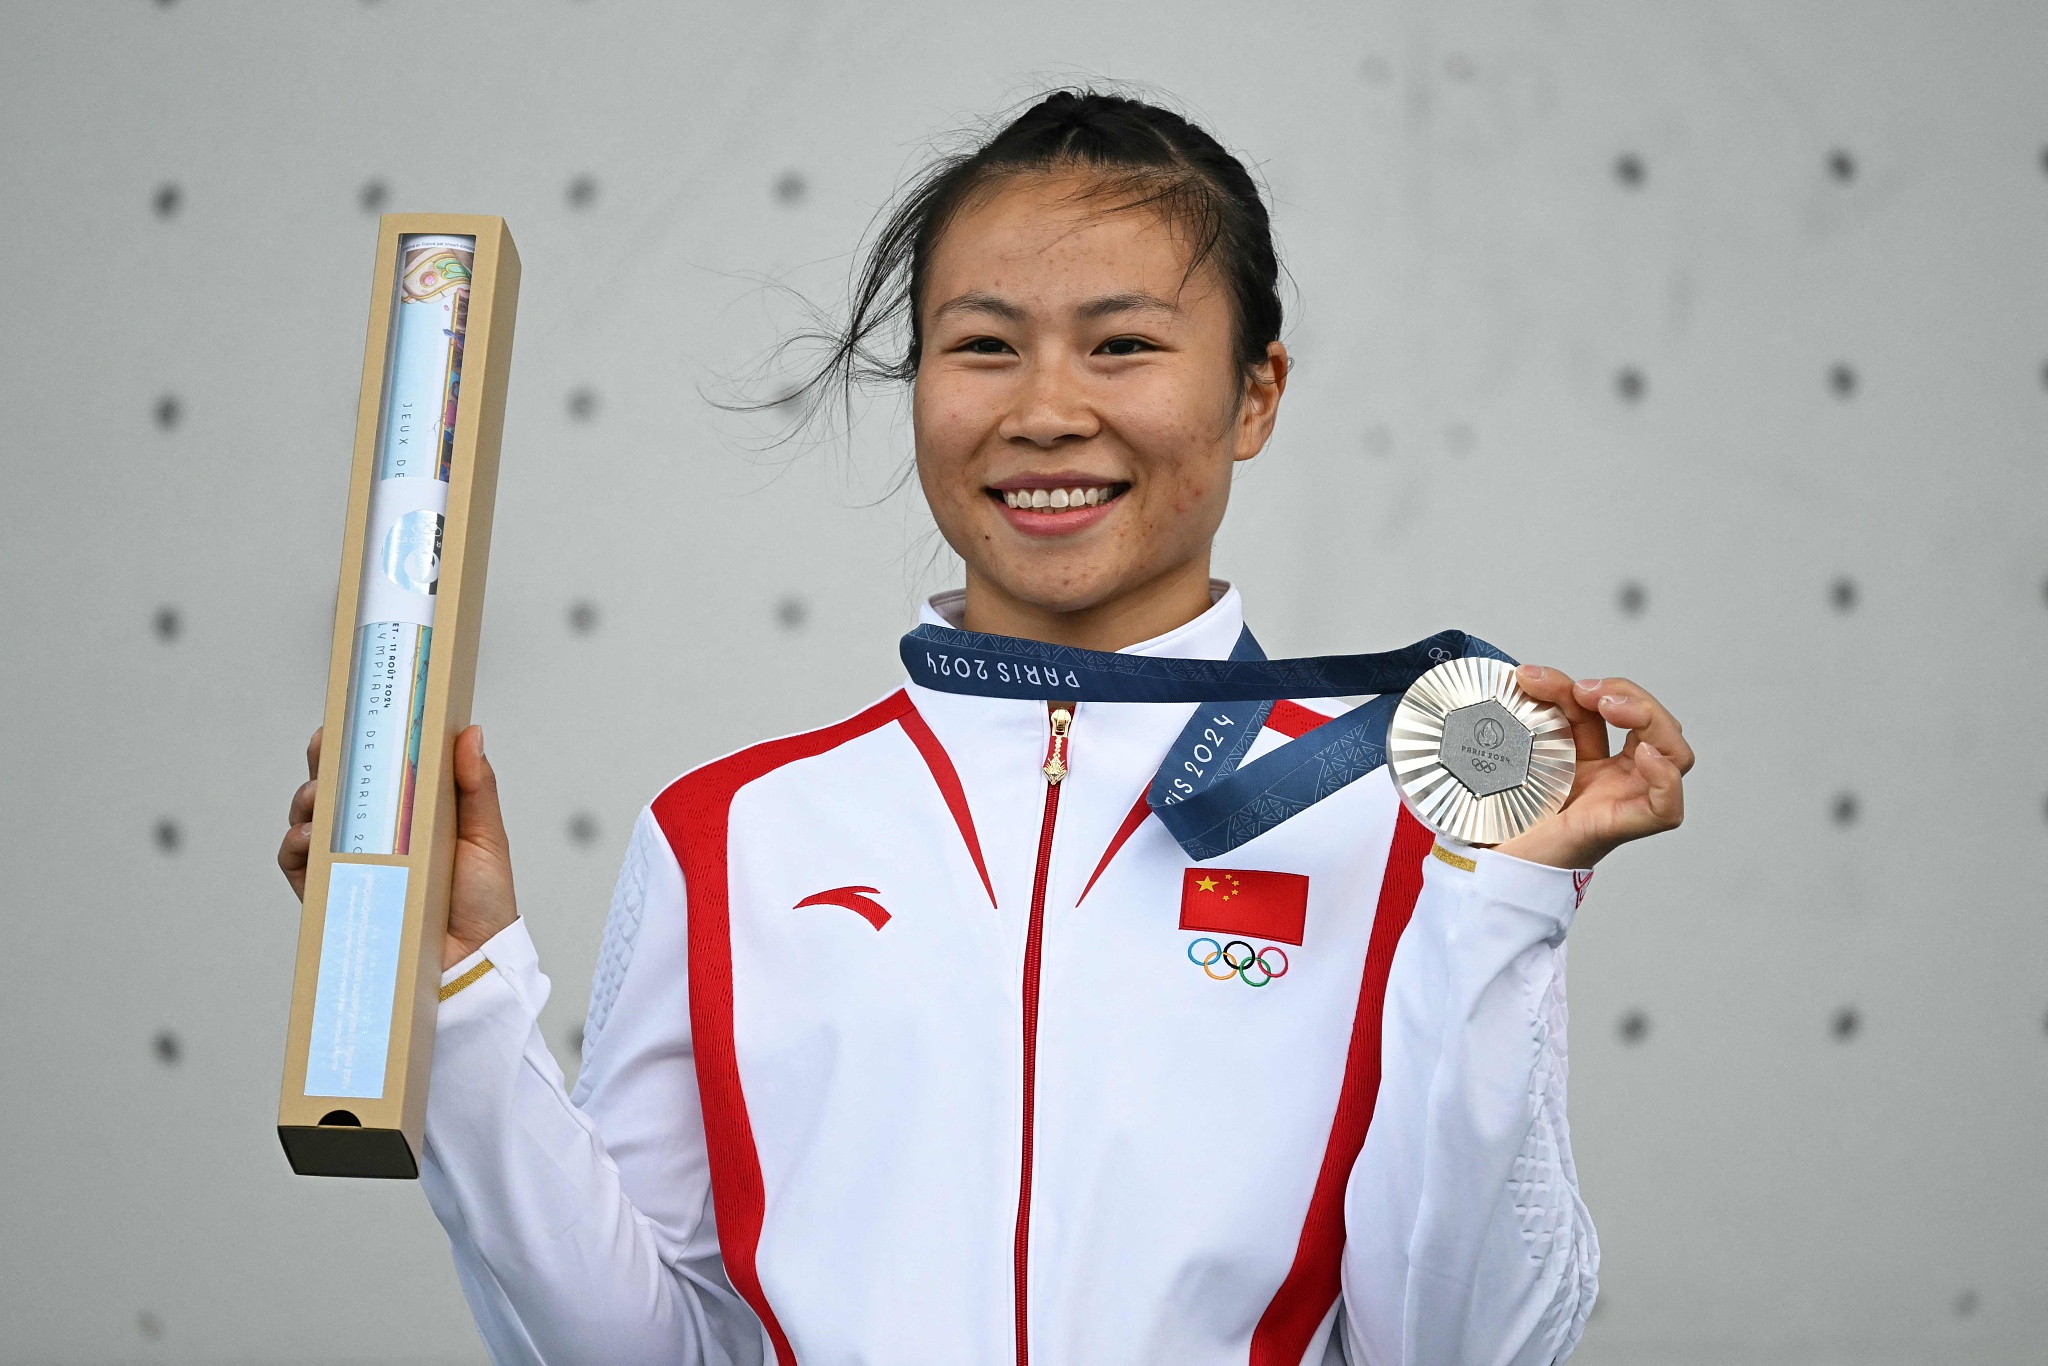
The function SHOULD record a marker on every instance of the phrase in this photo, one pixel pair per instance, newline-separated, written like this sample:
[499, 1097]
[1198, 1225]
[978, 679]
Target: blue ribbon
[1208, 799]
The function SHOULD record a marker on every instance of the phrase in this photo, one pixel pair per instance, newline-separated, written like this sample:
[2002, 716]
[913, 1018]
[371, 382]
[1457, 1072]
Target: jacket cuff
[1504, 880]
[1536, 888]
[509, 953]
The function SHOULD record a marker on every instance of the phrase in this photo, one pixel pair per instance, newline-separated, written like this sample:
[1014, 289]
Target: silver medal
[1474, 756]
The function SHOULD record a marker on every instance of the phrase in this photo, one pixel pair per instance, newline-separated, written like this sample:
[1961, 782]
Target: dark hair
[1146, 157]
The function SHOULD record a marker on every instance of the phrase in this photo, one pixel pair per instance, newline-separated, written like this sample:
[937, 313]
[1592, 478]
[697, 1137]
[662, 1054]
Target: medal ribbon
[1208, 799]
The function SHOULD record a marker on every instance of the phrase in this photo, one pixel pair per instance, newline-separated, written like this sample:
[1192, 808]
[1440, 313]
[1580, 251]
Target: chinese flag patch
[1235, 901]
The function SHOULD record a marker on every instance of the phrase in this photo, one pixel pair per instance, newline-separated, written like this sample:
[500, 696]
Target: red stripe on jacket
[695, 813]
[1315, 1279]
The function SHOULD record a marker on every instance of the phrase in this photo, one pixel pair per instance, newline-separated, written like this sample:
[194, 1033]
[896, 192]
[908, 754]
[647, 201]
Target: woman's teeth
[1055, 498]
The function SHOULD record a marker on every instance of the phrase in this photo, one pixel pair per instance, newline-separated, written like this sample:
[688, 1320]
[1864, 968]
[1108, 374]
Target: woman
[919, 1037]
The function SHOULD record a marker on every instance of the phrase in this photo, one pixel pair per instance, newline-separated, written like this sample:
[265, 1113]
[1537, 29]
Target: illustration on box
[402, 557]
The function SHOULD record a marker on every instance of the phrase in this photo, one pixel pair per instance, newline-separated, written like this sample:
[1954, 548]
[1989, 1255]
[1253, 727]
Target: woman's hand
[1614, 799]
[480, 900]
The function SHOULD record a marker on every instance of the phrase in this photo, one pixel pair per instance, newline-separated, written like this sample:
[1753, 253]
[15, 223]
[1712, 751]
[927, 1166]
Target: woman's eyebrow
[977, 301]
[1132, 301]
[991, 305]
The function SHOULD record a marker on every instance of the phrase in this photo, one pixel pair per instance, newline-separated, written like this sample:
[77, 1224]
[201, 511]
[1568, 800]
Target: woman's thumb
[477, 817]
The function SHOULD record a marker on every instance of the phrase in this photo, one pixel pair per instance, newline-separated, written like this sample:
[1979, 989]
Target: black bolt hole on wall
[1845, 809]
[373, 196]
[168, 836]
[581, 192]
[582, 828]
[583, 616]
[1634, 1027]
[1841, 165]
[1845, 1023]
[167, 1048]
[1631, 599]
[1842, 379]
[341, 1118]
[1630, 384]
[1629, 170]
[792, 612]
[167, 623]
[582, 404]
[167, 411]
[1842, 594]
[166, 200]
[790, 189]
[146, 1323]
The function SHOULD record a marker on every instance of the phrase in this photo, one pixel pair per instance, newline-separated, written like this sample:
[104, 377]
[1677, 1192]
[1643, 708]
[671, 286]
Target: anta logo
[859, 900]
[1254, 967]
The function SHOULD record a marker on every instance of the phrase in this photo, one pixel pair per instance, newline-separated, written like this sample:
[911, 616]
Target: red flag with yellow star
[1238, 901]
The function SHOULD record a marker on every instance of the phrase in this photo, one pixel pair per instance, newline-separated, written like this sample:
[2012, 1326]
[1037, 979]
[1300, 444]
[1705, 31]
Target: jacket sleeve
[1466, 1243]
[582, 1226]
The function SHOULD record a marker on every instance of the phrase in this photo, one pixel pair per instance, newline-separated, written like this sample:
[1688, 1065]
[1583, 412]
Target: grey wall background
[1735, 312]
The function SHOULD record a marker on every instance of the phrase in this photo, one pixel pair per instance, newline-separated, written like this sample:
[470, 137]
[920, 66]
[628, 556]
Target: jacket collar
[1211, 635]
[997, 747]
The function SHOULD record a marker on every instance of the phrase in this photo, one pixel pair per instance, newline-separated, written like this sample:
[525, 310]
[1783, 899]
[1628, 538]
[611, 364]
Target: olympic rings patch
[1251, 966]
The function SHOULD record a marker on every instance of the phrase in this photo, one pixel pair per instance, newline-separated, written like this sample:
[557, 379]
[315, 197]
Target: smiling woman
[911, 1035]
[1091, 301]
[1078, 407]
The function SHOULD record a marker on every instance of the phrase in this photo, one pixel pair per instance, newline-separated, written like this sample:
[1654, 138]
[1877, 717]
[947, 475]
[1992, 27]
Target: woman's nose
[1049, 407]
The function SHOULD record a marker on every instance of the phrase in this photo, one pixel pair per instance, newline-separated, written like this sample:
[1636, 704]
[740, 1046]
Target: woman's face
[1078, 407]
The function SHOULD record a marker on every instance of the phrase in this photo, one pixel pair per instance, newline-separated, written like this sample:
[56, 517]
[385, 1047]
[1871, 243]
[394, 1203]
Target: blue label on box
[358, 980]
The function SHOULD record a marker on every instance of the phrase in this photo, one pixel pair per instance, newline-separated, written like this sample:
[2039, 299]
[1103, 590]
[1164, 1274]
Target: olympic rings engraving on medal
[1240, 959]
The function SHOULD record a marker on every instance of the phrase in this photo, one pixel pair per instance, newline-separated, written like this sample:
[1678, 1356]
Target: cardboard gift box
[399, 686]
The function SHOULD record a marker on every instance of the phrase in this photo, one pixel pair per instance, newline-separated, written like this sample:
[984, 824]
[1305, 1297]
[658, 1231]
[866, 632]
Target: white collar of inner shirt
[1211, 635]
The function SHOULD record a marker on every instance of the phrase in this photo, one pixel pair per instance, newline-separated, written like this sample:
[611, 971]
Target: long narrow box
[403, 672]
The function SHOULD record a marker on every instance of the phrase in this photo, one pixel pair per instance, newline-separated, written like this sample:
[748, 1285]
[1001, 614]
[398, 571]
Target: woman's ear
[1260, 404]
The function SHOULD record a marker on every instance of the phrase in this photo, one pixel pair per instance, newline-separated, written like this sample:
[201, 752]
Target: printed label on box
[358, 980]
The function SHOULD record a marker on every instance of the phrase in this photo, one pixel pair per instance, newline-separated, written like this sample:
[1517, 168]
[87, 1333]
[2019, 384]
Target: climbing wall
[1705, 344]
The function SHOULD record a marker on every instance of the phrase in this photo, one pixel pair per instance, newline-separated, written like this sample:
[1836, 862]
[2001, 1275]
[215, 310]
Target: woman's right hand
[480, 900]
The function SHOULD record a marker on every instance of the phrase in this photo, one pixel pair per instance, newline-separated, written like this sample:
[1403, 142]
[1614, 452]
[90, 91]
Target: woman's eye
[986, 346]
[1124, 346]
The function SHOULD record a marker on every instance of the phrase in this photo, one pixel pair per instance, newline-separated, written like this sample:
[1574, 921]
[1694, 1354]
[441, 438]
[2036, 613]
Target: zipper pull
[1056, 751]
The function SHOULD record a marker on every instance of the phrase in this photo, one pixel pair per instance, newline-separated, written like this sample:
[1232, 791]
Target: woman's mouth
[1042, 507]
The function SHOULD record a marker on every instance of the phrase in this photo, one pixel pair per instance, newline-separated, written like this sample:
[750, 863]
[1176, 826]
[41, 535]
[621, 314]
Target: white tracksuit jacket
[898, 1053]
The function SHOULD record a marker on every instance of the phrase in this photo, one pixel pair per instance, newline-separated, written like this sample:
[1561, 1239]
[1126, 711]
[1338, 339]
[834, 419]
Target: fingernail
[1591, 684]
[479, 742]
[1531, 673]
[1646, 745]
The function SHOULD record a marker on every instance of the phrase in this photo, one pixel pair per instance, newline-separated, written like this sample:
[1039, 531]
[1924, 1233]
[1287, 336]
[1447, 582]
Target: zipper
[1054, 769]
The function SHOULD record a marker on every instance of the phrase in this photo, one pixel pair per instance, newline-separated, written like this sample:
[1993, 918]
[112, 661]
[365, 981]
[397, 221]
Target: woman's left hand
[1617, 798]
